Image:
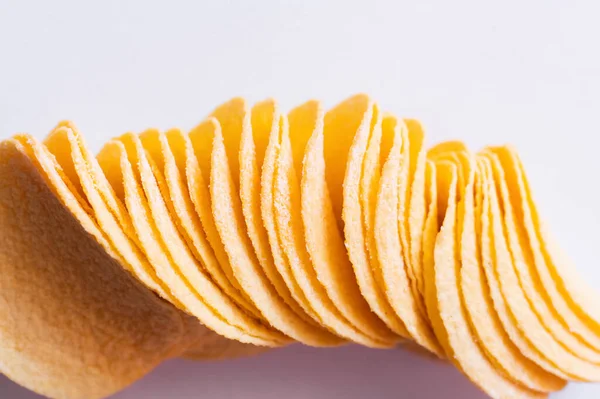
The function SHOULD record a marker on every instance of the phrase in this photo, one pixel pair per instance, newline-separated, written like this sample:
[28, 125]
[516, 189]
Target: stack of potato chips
[257, 229]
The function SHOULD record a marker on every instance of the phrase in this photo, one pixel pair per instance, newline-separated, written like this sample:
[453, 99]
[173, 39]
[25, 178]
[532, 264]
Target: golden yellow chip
[395, 280]
[68, 148]
[266, 119]
[228, 214]
[411, 206]
[76, 324]
[369, 179]
[514, 291]
[255, 128]
[350, 160]
[322, 180]
[573, 326]
[202, 299]
[478, 301]
[461, 345]
[303, 121]
[198, 145]
[493, 249]
[577, 293]
[181, 208]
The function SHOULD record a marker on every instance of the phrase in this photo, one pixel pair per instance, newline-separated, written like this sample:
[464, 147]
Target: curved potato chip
[321, 193]
[181, 208]
[68, 148]
[279, 127]
[229, 220]
[478, 302]
[150, 181]
[256, 127]
[461, 347]
[429, 236]
[77, 324]
[581, 337]
[114, 160]
[358, 130]
[375, 148]
[388, 246]
[411, 207]
[198, 149]
[514, 293]
[577, 293]
[493, 250]
[303, 121]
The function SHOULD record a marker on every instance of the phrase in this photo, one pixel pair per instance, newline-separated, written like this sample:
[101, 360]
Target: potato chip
[577, 293]
[73, 323]
[198, 145]
[67, 146]
[411, 206]
[202, 299]
[493, 250]
[303, 121]
[151, 181]
[145, 273]
[514, 292]
[181, 208]
[478, 302]
[322, 180]
[354, 234]
[370, 175]
[256, 127]
[286, 237]
[277, 125]
[388, 246]
[575, 330]
[228, 214]
[461, 346]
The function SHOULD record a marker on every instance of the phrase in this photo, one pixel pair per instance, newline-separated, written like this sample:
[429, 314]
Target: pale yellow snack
[277, 126]
[198, 148]
[461, 346]
[412, 207]
[356, 130]
[202, 299]
[68, 148]
[478, 302]
[576, 329]
[53, 272]
[253, 128]
[287, 237]
[303, 121]
[576, 291]
[439, 175]
[176, 196]
[514, 293]
[493, 250]
[150, 181]
[370, 152]
[388, 247]
[229, 220]
[321, 193]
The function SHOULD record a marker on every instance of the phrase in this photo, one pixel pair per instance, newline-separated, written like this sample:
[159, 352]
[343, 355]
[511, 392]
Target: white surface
[524, 72]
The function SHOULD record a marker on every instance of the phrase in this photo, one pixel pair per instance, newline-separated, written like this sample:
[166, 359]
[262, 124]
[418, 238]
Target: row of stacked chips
[258, 229]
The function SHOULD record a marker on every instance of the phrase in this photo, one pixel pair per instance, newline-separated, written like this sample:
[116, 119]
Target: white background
[520, 72]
